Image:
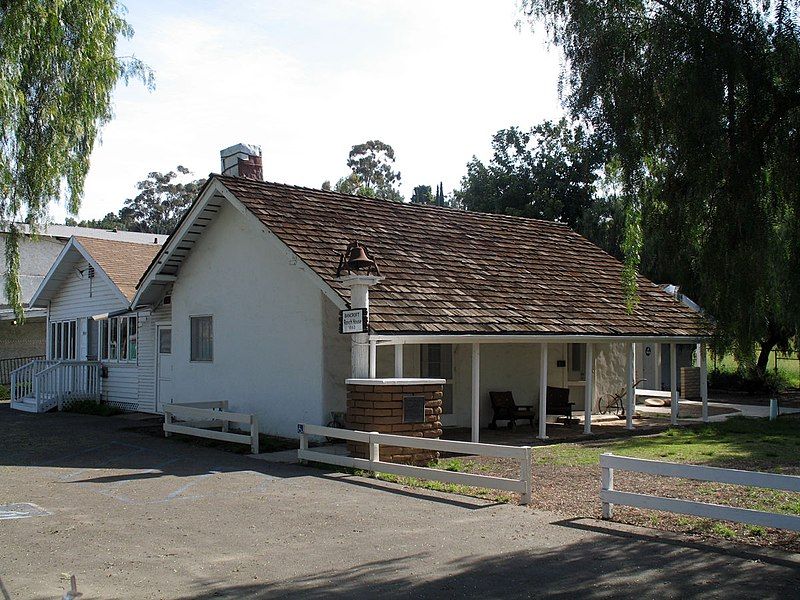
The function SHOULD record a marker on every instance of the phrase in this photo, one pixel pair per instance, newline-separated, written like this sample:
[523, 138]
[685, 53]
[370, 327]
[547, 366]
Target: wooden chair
[557, 402]
[505, 409]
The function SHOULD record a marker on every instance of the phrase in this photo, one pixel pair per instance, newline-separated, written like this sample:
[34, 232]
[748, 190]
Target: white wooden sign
[353, 321]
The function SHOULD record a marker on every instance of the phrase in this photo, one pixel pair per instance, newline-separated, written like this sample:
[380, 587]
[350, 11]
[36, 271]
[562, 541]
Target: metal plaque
[413, 409]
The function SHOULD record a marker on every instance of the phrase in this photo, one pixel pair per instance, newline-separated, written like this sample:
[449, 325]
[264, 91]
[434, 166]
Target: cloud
[307, 80]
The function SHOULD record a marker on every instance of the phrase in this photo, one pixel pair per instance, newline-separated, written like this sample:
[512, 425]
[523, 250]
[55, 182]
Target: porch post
[629, 399]
[657, 370]
[476, 392]
[588, 398]
[543, 393]
[361, 350]
[398, 360]
[673, 383]
[373, 358]
[703, 364]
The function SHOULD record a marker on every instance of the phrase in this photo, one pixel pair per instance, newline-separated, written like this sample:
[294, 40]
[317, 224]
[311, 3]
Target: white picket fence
[196, 417]
[374, 440]
[773, 481]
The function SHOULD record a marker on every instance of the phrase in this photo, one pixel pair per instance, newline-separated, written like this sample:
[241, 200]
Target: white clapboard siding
[81, 297]
[147, 356]
[84, 297]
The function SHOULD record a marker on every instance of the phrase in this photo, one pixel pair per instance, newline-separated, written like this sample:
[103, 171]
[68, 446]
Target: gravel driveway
[134, 516]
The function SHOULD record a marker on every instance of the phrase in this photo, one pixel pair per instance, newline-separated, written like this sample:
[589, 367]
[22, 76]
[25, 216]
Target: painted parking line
[22, 510]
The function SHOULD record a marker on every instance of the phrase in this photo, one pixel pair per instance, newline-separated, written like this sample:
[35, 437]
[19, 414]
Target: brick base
[380, 408]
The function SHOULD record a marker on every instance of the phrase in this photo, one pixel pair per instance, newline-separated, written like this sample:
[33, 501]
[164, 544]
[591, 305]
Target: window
[437, 363]
[577, 362]
[165, 340]
[103, 339]
[63, 340]
[119, 339]
[202, 339]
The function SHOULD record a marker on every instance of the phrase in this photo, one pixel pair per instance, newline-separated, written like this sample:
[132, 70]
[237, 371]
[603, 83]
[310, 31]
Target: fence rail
[197, 417]
[7, 365]
[373, 463]
[609, 496]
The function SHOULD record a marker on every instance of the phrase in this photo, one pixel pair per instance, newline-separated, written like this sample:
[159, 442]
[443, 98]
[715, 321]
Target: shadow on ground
[608, 567]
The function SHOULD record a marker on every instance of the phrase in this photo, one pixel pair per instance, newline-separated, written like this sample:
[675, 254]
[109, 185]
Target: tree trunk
[763, 355]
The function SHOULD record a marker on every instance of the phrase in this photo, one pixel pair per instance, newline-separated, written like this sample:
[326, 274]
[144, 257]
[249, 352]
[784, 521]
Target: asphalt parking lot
[136, 516]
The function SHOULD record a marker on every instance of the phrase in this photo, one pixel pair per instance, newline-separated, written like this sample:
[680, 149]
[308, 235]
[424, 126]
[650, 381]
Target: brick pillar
[377, 406]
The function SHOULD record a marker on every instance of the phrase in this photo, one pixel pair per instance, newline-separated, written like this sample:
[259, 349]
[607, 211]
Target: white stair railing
[65, 382]
[22, 379]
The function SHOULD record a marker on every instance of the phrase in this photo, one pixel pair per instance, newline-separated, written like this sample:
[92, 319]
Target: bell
[358, 259]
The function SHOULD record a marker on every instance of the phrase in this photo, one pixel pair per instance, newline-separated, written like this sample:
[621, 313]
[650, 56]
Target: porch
[588, 367]
[42, 385]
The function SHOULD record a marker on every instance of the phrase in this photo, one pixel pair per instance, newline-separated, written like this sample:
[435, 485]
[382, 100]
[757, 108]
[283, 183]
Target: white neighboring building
[86, 296]
[37, 255]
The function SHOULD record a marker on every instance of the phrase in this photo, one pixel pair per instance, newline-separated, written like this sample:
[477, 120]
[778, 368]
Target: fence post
[303, 442]
[374, 449]
[253, 434]
[167, 421]
[607, 486]
[525, 475]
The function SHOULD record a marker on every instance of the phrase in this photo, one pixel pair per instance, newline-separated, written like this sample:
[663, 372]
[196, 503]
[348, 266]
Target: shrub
[90, 407]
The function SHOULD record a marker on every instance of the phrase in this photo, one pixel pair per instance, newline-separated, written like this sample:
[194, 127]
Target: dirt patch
[572, 491]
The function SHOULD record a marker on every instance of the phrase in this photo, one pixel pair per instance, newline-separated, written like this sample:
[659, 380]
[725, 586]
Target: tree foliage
[373, 174]
[157, 208]
[58, 68]
[423, 194]
[553, 171]
[701, 102]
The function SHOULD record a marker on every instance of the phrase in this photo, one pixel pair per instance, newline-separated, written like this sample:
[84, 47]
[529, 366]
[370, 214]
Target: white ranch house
[242, 304]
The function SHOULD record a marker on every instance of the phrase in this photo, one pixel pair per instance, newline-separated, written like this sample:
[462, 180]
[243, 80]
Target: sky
[306, 80]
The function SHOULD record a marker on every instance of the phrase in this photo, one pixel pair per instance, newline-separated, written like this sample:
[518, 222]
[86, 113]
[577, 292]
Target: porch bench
[505, 409]
[557, 403]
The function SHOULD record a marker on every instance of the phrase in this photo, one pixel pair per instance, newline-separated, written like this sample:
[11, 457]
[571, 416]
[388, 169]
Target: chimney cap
[242, 160]
[249, 149]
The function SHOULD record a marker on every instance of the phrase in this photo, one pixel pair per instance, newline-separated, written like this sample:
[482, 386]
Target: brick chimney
[242, 160]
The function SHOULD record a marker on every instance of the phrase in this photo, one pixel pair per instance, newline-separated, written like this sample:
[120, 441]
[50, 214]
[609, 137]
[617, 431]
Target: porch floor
[646, 420]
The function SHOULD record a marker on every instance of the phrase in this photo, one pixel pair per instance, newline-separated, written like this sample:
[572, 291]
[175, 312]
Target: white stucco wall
[267, 328]
[35, 259]
[18, 341]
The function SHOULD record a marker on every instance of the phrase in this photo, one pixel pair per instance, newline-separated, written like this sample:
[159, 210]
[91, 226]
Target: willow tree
[58, 69]
[701, 101]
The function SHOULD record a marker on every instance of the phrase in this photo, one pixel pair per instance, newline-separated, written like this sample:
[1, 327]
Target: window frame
[112, 329]
[63, 339]
[192, 358]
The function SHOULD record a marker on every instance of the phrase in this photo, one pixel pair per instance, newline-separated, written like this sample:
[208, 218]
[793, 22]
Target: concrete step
[25, 404]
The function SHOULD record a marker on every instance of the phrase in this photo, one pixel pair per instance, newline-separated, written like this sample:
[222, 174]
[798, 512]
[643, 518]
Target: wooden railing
[522, 454]
[53, 383]
[195, 418]
[22, 378]
[7, 365]
[773, 481]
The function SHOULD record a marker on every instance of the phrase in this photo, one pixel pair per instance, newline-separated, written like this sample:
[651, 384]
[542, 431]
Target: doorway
[164, 390]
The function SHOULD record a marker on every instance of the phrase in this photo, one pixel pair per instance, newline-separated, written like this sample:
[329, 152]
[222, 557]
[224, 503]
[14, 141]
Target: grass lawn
[566, 477]
[788, 369]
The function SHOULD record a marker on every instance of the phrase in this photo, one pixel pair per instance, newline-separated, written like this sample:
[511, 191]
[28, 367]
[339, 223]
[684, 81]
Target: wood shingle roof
[454, 272]
[123, 262]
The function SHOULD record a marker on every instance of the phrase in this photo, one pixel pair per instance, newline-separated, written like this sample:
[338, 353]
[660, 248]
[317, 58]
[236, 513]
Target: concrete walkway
[747, 410]
[137, 516]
